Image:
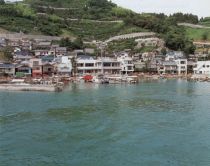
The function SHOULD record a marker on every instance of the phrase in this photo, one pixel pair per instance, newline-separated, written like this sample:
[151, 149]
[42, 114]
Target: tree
[2, 2]
[7, 53]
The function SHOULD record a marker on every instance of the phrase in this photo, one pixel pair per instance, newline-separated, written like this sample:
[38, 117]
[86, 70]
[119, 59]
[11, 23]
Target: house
[64, 65]
[36, 65]
[14, 43]
[26, 44]
[167, 67]
[173, 55]
[108, 66]
[23, 69]
[86, 65]
[202, 67]
[7, 69]
[48, 69]
[181, 66]
[49, 58]
[139, 66]
[60, 51]
[105, 65]
[22, 55]
[45, 52]
[190, 66]
[127, 65]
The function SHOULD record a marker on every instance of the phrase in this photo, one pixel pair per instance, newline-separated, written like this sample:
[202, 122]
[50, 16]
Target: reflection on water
[153, 123]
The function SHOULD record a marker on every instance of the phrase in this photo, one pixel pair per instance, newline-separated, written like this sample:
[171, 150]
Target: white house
[86, 65]
[127, 65]
[64, 66]
[109, 66]
[89, 65]
[181, 66]
[202, 67]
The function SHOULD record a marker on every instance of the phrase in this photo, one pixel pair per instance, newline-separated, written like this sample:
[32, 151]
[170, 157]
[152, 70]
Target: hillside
[93, 20]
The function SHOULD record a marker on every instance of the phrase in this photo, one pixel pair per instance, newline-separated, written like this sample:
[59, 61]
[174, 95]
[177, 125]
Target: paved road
[130, 36]
[193, 25]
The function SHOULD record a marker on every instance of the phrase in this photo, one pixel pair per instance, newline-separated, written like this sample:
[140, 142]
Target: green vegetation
[6, 54]
[93, 20]
[188, 18]
[205, 21]
[198, 34]
[76, 44]
[121, 45]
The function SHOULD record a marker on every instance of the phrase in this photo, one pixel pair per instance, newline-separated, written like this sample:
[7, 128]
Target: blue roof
[7, 65]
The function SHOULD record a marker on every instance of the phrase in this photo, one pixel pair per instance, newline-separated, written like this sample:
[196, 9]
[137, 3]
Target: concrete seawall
[42, 88]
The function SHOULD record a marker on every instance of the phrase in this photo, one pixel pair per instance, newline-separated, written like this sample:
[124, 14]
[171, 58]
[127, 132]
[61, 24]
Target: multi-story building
[87, 65]
[181, 66]
[36, 66]
[127, 65]
[202, 67]
[64, 66]
[108, 66]
[167, 67]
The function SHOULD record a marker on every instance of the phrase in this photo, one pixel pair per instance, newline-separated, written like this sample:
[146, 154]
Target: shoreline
[7, 86]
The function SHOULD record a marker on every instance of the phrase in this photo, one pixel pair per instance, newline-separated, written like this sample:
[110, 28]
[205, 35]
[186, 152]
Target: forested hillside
[93, 20]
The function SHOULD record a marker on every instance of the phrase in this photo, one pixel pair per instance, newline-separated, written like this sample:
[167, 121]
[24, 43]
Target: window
[35, 63]
[182, 62]
[106, 64]
[80, 65]
[89, 64]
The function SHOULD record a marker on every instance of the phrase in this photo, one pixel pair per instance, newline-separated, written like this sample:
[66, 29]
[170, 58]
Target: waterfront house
[7, 69]
[64, 65]
[190, 66]
[23, 69]
[107, 65]
[127, 65]
[139, 66]
[36, 65]
[86, 65]
[202, 67]
[167, 67]
[48, 69]
[181, 66]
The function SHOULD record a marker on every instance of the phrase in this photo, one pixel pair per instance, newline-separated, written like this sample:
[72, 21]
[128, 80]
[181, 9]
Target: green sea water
[162, 123]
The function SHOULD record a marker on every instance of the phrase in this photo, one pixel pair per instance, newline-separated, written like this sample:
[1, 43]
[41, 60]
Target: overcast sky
[198, 7]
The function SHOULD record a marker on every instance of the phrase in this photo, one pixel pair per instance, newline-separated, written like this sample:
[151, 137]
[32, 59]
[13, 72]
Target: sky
[197, 7]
